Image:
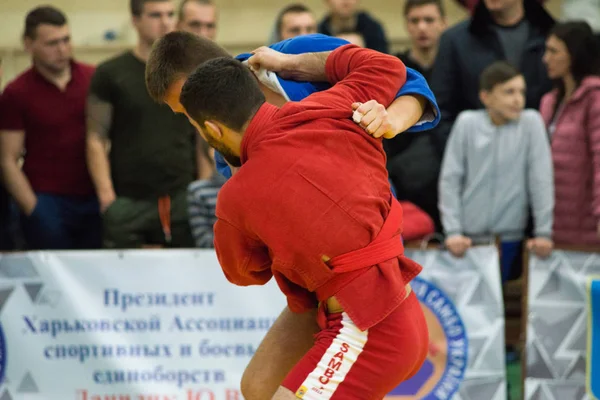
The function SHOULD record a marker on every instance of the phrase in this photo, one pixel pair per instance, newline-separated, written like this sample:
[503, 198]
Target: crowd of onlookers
[88, 160]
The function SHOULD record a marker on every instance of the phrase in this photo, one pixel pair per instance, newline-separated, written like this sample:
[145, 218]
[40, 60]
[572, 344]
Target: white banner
[462, 301]
[557, 353]
[166, 325]
[143, 325]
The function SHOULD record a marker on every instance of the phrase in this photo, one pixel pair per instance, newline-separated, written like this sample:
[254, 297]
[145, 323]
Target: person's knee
[257, 383]
[252, 389]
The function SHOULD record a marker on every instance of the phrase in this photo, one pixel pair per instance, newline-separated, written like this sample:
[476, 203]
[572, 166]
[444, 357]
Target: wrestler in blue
[295, 91]
[175, 56]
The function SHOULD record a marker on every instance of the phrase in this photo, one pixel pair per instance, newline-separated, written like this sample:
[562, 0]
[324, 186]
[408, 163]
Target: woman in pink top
[572, 114]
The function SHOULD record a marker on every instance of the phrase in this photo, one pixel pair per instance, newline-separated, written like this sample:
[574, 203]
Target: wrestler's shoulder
[231, 198]
[244, 186]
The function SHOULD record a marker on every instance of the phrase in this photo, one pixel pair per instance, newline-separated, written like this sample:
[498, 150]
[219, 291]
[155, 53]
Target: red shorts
[346, 363]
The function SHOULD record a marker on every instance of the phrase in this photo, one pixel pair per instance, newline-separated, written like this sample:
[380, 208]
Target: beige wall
[244, 24]
[241, 20]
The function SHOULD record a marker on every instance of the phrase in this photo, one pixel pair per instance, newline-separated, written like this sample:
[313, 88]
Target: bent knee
[252, 389]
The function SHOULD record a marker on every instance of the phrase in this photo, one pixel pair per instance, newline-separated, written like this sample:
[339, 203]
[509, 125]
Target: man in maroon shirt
[42, 116]
[311, 205]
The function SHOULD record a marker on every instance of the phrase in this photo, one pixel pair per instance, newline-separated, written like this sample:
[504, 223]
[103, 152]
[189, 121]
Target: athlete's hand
[374, 119]
[458, 245]
[541, 246]
[269, 59]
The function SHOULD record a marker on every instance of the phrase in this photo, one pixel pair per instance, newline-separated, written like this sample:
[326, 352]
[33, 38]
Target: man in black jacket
[411, 159]
[511, 30]
[344, 17]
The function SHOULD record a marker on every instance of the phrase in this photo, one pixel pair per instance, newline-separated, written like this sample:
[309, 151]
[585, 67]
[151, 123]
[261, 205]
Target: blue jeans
[63, 223]
[510, 260]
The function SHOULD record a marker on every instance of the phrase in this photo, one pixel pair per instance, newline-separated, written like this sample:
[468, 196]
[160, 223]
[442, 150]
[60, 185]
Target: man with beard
[335, 242]
[140, 154]
[53, 190]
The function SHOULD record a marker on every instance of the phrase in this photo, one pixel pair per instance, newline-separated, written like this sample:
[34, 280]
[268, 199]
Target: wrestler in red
[311, 205]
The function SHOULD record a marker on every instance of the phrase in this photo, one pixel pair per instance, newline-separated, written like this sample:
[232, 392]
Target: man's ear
[483, 96]
[135, 20]
[214, 128]
[27, 43]
[444, 22]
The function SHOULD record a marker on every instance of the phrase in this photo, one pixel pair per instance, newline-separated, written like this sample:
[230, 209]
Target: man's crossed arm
[404, 112]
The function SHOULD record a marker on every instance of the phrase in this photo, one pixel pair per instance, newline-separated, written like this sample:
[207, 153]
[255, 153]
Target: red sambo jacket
[312, 187]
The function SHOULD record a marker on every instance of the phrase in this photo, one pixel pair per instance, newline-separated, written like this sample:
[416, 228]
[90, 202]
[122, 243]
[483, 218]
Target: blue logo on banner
[446, 363]
[2, 356]
[593, 347]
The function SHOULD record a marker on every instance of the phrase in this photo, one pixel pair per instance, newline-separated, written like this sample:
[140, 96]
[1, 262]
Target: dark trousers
[61, 222]
[8, 222]
[511, 263]
[134, 223]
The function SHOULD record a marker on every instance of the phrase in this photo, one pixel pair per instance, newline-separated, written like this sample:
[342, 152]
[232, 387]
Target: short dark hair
[137, 6]
[184, 2]
[496, 74]
[43, 15]
[410, 4]
[292, 8]
[176, 55]
[223, 90]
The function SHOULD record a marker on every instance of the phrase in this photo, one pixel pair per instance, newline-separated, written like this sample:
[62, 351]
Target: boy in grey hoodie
[496, 165]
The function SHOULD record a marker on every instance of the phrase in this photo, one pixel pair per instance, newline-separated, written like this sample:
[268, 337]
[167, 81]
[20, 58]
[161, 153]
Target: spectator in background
[294, 20]
[572, 113]
[425, 21]
[344, 16]
[43, 119]
[198, 17]
[413, 161]
[353, 37]
[7, 216]
[498, 161]
[140, 154]
[202, 200]
[511, 30]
